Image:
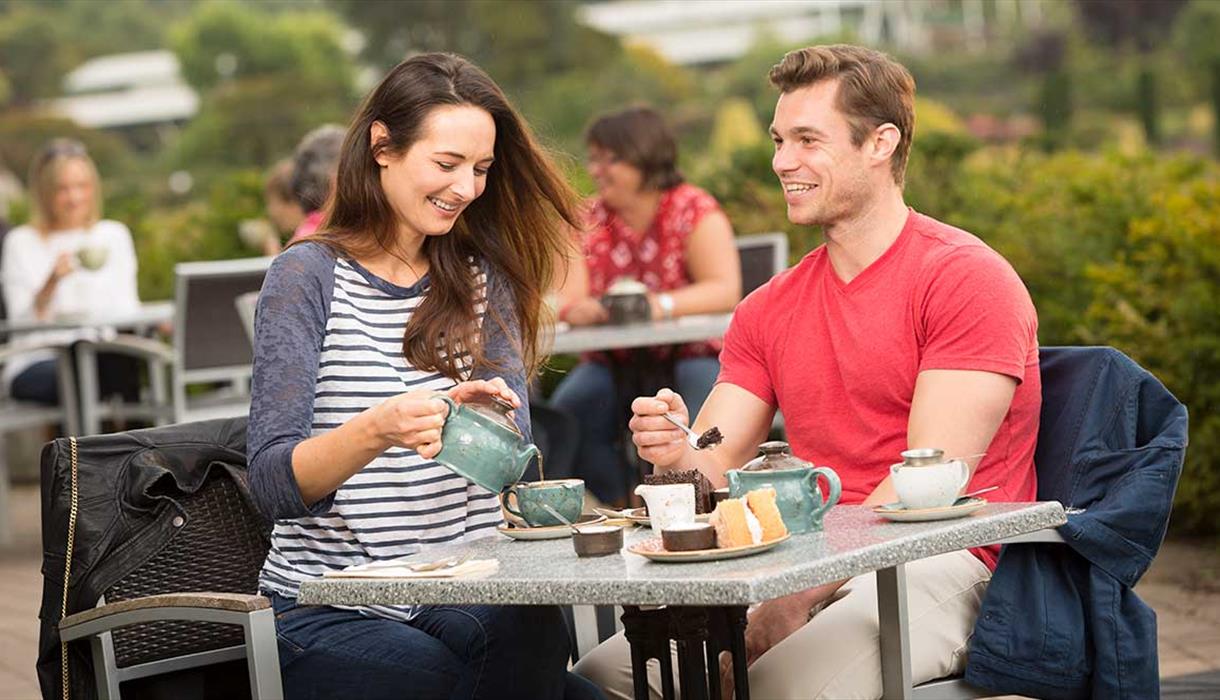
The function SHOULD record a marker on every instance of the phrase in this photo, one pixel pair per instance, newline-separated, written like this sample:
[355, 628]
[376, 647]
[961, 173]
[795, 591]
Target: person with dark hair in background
[426, 276]
[646, 223]
[313, 175]
[283, 209]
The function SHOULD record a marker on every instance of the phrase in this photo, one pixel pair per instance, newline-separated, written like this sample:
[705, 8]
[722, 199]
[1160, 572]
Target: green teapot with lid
[482, 443]
[796, 485]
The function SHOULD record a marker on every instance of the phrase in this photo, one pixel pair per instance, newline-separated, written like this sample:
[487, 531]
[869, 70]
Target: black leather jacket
[128, 484]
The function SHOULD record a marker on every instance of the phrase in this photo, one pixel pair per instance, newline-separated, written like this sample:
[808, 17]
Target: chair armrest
[10, 350]
[1048, 535]
[134, 345]
[233, 608]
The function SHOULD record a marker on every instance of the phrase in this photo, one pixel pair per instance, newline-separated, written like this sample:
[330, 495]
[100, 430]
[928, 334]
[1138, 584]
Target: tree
[1046, 55]
[221, 42]
[519, 43]
[1195, 36]
[1123, 23]
[34, 54]
[41, 41]
[266, 79]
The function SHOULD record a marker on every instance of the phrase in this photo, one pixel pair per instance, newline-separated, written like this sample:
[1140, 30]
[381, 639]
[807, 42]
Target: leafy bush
[201, 230]
[1159, 301]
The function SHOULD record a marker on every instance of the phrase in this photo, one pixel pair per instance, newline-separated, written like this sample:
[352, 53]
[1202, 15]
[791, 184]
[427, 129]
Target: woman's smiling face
[75, 194]
[440, 174]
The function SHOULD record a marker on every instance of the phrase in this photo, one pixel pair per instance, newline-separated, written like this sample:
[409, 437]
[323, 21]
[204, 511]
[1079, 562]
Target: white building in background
[126, 91]
[693, 32]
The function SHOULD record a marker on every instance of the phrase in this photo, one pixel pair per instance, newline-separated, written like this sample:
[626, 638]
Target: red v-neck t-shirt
[840, 359]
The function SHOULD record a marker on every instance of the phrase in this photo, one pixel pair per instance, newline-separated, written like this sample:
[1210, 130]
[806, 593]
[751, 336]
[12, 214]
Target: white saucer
[550, 532]
[897, 513]
[639, 516]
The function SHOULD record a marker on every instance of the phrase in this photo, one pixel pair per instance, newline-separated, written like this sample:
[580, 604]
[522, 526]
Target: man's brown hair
[874, 89]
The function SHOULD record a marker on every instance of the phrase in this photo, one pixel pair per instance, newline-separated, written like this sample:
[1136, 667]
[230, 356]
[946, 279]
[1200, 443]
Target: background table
[148, 315]
[855, 541]
[674, 331]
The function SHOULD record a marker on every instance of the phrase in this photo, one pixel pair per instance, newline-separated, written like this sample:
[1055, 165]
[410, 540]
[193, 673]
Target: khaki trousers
[837, 654]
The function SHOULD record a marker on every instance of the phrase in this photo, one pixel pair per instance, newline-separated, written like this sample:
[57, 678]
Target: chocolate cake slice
[703, 487]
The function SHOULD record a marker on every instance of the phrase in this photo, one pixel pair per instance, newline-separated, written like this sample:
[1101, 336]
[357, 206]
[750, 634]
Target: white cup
[668, 504]
[931, 485]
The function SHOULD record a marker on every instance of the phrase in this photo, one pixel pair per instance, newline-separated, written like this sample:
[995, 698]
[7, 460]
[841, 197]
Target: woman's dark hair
[640, 136]
[519, 226]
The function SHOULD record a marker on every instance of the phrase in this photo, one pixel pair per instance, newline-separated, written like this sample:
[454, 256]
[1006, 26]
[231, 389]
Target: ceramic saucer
[652, 549]
[550, 532]
[899, 514]
[639, 516]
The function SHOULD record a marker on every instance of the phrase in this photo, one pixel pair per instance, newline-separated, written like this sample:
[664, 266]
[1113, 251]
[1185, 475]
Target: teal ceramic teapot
[795, 482]
[482, 443]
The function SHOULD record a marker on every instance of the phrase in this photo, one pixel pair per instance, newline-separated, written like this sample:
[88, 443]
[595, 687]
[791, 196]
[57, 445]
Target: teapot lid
[495, 409]
[775, 455]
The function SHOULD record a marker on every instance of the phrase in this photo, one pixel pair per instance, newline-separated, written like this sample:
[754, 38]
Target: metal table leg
[895, 637]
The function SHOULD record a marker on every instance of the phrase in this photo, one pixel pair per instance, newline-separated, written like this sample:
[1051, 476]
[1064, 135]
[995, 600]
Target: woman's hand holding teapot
[413, 420]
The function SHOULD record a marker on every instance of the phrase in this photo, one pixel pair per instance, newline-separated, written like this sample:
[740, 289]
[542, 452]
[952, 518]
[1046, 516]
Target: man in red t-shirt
[899, 332]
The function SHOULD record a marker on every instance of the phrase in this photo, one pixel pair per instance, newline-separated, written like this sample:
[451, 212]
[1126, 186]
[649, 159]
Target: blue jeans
[458, 651]
[116, 374]
[588, 393]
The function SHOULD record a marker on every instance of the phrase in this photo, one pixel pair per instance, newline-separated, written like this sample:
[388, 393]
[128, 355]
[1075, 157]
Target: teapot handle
[836, 489]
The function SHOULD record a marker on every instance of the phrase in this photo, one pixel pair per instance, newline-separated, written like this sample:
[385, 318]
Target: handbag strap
[63, 610]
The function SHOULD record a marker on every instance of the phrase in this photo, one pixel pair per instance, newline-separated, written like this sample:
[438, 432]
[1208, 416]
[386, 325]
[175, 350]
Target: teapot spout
[528, 452]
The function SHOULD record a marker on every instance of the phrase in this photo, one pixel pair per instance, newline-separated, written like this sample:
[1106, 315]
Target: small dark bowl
[597, 540]
[686, 538]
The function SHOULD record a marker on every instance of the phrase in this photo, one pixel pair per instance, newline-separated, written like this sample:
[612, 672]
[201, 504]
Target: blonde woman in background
[67, 261]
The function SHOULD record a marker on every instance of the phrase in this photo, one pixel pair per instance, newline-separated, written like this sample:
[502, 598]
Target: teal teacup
[566, 496]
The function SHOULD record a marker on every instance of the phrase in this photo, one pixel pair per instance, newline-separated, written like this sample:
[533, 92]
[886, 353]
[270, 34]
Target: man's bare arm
[956, 410]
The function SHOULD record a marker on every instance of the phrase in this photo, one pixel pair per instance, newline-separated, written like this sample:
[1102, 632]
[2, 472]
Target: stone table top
[855, 541]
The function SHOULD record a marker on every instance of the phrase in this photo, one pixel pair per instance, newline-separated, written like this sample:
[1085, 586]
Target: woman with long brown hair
[426, 276]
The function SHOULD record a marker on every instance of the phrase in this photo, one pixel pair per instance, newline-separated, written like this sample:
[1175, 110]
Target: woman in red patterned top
[647, 224]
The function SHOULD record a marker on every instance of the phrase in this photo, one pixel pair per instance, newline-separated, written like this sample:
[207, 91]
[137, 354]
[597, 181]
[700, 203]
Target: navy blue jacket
[1062, 621]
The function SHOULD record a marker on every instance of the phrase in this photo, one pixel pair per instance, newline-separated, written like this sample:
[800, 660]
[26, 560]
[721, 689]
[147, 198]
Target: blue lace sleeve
[289, 327]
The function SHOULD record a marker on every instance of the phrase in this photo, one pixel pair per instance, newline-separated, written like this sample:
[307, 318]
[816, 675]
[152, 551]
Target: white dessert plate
[654, 550]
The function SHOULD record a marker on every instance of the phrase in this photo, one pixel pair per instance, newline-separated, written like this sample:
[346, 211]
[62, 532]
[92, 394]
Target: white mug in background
[930, 485]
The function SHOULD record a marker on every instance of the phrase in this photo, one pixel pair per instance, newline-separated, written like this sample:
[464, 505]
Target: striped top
[328, 345]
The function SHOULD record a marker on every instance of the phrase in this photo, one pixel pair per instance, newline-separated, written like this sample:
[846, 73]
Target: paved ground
[1183, 586]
